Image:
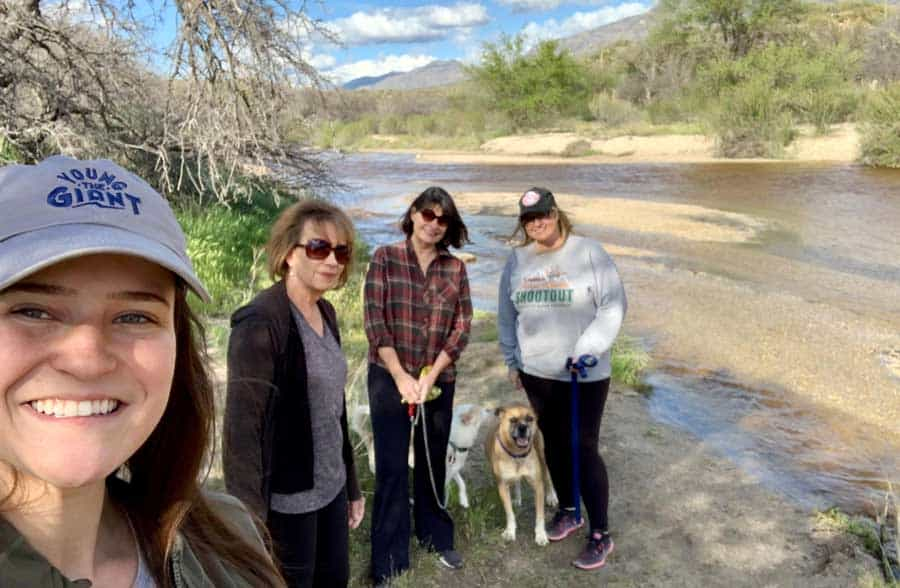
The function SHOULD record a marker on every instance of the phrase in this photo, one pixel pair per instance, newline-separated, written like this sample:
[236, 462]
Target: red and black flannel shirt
[418, 315]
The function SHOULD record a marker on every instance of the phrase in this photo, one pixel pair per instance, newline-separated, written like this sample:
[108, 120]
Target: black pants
[312, 548]
[390, 513]
[552, 401]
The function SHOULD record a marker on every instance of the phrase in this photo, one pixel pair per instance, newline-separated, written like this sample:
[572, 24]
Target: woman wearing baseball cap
[561, 299]
[106, 407]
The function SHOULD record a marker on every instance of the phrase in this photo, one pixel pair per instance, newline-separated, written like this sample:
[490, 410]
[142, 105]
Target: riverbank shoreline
[839, 145]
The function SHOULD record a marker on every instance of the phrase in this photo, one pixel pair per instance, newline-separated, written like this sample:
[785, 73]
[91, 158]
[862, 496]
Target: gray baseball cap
[62, 208]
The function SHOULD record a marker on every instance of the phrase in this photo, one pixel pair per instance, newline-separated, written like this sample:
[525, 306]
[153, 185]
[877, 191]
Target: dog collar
[510, 453]
[457, 448]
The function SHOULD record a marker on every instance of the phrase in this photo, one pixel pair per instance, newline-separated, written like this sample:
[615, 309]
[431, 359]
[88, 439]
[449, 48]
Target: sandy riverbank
[841, 144]
[774, 339]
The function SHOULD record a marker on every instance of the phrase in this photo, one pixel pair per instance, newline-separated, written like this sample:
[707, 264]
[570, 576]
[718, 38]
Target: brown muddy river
[767, 294]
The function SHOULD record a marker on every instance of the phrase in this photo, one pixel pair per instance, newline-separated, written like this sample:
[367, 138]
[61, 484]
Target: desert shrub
[753, 102]
[421, 124]
[349, 133]
[752, 121]
[459, 122]
[611, 111]
[665, 111]
[880, 128]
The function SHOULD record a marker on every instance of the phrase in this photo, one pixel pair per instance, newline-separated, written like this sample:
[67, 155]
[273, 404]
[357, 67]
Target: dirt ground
[680, 515]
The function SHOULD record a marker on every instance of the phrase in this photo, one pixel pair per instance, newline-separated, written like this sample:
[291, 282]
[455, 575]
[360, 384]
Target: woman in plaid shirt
[417, 313]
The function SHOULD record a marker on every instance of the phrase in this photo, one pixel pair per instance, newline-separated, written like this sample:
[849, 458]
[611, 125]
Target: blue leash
[578, 368]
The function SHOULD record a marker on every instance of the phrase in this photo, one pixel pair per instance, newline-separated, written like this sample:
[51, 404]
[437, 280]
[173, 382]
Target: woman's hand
[513, 375]
[426, 383]
[408, 387]
[356, 512]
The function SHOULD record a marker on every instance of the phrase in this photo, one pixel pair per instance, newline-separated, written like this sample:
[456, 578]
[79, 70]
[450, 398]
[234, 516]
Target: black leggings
[552, 401]
[313, 548]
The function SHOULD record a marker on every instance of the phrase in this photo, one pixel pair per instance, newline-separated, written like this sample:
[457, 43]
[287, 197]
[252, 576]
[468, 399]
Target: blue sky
[402, 35]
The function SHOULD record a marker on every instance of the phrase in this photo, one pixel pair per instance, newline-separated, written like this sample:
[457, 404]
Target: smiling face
[543, 228]
[89, 355]
[316, 276]
[429, 232]
[517, 426]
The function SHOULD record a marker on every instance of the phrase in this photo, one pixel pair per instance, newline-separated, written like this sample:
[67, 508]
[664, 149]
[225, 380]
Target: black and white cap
[62, 208]
[536, 201]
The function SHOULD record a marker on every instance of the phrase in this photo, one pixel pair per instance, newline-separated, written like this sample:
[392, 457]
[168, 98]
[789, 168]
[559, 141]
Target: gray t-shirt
[558, 304]
[326, 376]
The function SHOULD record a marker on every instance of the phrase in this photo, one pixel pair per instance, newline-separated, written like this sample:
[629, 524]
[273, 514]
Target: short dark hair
[457, 234]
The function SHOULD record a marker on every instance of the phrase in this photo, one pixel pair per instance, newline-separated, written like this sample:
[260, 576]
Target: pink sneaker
[594, 555]
[563, 525]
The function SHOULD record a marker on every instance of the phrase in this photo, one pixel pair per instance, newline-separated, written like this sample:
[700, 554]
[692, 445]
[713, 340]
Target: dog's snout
[522, 429]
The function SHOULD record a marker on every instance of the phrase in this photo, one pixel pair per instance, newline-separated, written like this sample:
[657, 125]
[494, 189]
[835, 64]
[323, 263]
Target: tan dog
[515, 450]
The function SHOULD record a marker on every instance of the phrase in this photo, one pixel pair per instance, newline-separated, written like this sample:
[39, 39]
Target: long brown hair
[163, 496]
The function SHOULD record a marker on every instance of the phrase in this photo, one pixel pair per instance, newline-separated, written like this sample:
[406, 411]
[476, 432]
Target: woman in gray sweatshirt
[560, 299]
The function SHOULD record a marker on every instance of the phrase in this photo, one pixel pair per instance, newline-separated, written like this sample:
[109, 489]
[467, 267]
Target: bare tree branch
[81, 77]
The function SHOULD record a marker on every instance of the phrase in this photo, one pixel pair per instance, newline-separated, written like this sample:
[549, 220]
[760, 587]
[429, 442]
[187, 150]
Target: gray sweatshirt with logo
[559, 304]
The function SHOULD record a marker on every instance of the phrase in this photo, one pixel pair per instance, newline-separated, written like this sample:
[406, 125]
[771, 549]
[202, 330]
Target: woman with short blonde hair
[287, 451]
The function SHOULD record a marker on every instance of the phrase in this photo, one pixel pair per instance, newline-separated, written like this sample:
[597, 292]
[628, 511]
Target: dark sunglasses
[321, 249]
[533, 216]
[428, 216]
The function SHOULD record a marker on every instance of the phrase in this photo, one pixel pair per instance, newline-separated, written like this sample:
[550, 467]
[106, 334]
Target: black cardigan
[267, 442]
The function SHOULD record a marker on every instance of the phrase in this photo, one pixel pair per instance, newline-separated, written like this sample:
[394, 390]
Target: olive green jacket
[22, 566]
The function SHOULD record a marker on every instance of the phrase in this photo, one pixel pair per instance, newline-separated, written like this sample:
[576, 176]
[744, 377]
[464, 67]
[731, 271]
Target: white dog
[467, 419]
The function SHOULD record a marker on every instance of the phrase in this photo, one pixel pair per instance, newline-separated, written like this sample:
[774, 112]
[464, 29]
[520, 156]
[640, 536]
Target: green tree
[533, 88]
[740, 25]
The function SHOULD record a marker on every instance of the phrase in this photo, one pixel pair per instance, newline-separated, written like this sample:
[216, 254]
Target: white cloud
[408, 25]
[377, 67]
[530, 5]
[79, 12]
[320, 61]
[580, 22]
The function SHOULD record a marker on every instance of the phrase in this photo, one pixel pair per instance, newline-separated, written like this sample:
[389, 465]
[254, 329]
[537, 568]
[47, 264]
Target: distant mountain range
[436, 73]
[633, 28]
[440, 73]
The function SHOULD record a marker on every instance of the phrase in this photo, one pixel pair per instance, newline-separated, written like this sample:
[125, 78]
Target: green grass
[226, 247]
[629, 360]
[866, 531]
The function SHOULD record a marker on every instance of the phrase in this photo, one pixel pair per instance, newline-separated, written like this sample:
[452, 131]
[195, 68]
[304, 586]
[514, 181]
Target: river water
[781, 351]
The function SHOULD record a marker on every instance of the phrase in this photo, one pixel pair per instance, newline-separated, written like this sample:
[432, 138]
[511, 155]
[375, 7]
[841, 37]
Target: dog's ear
[469, 416]
[498, 411]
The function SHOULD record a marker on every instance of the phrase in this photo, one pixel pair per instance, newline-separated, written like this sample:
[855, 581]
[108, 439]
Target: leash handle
[581, 365]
